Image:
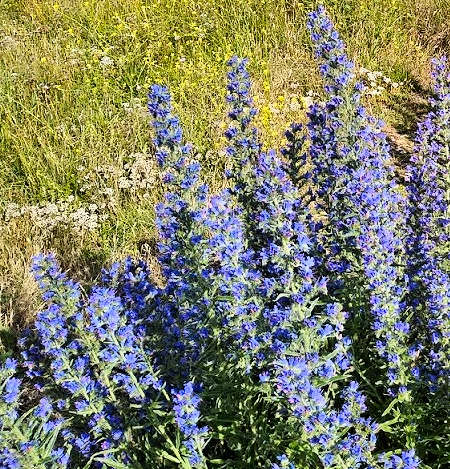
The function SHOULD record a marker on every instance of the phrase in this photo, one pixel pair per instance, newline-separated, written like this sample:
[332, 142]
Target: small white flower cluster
[76, 57]
[8, 42]
[376, 83]
[62, 213]
[135, 106]
[106, 62]
[138, 176]
[140, 172]
[90, 178]
[310, 98]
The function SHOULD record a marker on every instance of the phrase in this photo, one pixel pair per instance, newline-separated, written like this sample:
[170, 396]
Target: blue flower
[428, 240]
[9, 460]
[356, 193]
[60, 456]
[407, 460]
[187, 416]
[44, 409]
[284, 463]
[11, 390]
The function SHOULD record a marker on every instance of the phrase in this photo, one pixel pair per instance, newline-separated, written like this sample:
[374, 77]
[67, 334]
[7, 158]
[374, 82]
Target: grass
[62, 105]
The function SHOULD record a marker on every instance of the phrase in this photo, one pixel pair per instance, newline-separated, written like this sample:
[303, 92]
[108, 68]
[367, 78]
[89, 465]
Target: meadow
[74, 127]
[214, 253]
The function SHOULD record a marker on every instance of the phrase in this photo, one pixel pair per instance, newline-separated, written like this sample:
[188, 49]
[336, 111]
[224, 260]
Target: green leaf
[389, 407]
[169, 457]
[110, 463]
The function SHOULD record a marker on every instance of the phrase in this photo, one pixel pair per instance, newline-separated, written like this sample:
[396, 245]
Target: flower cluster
[407, 460]
[376, 83]
[137, 174]
[180, 222]
[187, 415]
[292, 310]
[24, 439]
[362, 204]
[429, 236]
[64, 213]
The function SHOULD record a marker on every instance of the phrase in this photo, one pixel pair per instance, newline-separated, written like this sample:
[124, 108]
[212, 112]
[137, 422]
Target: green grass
[60, 109]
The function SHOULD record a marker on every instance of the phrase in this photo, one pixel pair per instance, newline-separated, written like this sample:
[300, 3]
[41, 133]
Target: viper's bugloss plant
[27, 439]
[429, 233]
[186, 403]
[361, 203]
[301, 320]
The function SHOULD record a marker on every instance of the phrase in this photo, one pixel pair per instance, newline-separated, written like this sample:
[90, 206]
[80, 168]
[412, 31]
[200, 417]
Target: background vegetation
[73, 82]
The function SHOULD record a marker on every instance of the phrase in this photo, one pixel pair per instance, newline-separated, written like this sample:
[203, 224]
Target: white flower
[106, 61]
